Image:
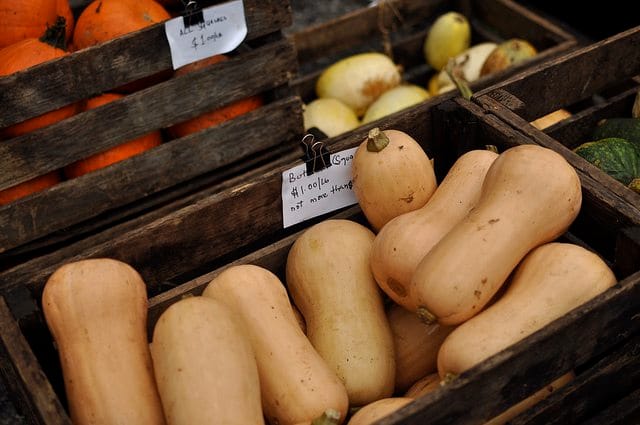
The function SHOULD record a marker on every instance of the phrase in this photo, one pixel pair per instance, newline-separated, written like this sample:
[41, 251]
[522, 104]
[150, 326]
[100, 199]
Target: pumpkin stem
[55, 35]
[376, 140]
[427, 317]
[329, 417]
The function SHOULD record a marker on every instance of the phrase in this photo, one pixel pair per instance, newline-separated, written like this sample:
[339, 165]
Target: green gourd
[617, 157]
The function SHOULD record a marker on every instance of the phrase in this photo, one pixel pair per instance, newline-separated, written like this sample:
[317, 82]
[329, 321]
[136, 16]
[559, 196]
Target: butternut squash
[378, 409]
[406, 239]
[531, 401]
[330, 281]
[424, 385]
[392, 175]
[552, 280]
[416, 345]
[530, 196]
[204, 365]
[96, 310]
[297, 385]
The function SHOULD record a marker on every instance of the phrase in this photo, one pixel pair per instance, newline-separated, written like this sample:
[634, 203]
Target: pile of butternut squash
[383, 317]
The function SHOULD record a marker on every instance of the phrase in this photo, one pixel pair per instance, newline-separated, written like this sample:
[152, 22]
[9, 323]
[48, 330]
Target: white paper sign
[305, 197]
[223, 29]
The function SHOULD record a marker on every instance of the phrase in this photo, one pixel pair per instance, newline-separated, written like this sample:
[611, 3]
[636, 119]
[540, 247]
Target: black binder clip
[193, 14]
[316, 155]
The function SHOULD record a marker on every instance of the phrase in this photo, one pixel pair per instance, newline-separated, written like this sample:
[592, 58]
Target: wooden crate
[179, 167]
[174, 247]
[399, 28]
[594, 82]
[174, 174]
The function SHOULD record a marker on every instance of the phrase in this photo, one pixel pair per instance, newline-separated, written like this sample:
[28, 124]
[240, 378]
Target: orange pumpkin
[116, 153]
[216, 116]
[63, 8]
[24, 19]
[103, 20]
[31, 186]
[25, 54]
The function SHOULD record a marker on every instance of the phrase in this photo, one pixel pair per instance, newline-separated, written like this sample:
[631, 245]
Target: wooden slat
[515, 20]
[207, 230]
[359, 26]
[80, 199]
[498, 382]
[108, 229]
[159, 106]
[626, 411]
[24, 377]
[579, 127]
[584, 397]
[101, 68]
[573, 76]
[147, 209]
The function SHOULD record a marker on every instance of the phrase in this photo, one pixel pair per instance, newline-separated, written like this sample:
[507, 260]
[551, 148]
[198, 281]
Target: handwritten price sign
[222, 30]
[305, 197]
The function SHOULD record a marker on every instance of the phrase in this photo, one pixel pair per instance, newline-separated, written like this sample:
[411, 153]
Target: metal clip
[192, 13]
[316, 155]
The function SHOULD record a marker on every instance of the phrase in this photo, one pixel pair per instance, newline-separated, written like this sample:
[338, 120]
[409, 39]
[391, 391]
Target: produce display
[615, 147]
[353, 355]
[370, 86]
[356, 316]
[49, 30]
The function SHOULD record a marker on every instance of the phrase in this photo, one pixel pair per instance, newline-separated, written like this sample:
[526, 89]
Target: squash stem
[427, 317]
[376, 140]
[329, 417]
[55, 35]
[460, 83]
[449, 377]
